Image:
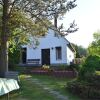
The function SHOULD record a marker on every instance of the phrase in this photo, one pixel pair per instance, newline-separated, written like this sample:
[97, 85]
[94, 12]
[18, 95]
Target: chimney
[55, 20]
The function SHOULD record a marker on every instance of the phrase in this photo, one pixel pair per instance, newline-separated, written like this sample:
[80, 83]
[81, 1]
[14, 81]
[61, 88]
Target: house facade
[53, 49]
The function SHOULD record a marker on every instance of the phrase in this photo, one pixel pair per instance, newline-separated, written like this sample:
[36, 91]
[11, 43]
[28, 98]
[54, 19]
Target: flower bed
[55, 73]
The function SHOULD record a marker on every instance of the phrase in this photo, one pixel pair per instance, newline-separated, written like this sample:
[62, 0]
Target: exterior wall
[51, 42]
[70, 55]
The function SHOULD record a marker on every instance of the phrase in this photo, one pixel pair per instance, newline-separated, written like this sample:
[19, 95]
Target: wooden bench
[7, 85]
[33, 61]
[12, 75]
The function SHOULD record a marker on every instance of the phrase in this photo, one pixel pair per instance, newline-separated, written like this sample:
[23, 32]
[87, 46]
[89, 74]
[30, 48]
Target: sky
[87, 18]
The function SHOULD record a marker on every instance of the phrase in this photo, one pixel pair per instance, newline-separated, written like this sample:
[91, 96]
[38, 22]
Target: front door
[45, 55]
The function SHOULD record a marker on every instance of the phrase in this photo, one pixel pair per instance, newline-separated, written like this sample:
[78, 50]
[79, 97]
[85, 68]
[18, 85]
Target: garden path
[56, 94]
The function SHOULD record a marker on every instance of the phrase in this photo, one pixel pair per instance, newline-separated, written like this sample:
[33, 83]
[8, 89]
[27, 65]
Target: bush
[75, 67]
[85, 89]
[78, 88]
[60, 67]
[88, 83]
[88, 69]
[72, 66]
[14, 58]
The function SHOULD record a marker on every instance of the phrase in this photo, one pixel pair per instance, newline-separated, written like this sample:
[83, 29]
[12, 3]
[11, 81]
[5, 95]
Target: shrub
[14, 58]
[88, 83]
[61, 67]
[72, 66]
[89, 67]
[75, 67]
[85, 89]
[78, 88]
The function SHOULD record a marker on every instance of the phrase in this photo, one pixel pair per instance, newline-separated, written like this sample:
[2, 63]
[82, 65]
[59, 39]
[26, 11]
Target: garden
[87, 84]
[74, 82]
[41, 87]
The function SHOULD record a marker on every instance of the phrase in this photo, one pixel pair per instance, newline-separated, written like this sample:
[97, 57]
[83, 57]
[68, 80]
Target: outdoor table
[8, 85]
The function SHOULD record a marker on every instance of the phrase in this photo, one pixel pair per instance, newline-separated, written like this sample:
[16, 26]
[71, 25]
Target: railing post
[8, 96]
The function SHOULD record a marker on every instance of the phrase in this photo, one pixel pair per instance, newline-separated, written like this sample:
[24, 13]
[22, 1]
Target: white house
[53, 49]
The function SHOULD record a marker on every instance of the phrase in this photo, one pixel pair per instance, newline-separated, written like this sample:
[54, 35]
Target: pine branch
[12, 6]
[72, 28]
[1, 2]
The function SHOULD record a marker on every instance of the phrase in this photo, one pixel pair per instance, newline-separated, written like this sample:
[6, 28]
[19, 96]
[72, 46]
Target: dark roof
[71, 47]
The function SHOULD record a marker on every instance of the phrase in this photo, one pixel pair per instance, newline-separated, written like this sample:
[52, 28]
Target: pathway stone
[53, 92]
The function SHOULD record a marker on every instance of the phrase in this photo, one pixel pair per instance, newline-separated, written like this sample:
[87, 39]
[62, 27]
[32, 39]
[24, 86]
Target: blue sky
[87, 17]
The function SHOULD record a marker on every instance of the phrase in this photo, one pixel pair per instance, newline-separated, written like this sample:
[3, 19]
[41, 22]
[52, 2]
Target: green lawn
[57, 84]
[31, 91]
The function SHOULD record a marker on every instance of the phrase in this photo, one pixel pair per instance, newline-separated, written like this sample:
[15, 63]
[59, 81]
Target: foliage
[80, 51]
[91, 64]
[76, 67]
[66, 67]
[63, 67]
[90, 89]
[97, 72]
[32, 16]
[20, 19]
[14, 58]
[29, 90]
[88, 79]
[94, 48]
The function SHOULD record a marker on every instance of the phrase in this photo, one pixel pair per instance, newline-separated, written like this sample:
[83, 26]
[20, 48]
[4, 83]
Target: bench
[12, 75]
[33, 61]
[8, 85]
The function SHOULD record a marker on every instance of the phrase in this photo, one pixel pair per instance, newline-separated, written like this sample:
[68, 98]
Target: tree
[19, 18]
[94, 48]
[80, 51]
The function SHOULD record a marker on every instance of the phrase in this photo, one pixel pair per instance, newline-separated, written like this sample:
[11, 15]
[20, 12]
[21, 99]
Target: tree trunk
[55, 20]
[3, 58]
[4, 39]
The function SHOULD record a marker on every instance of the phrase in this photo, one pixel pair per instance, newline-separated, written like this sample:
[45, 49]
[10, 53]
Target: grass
[97, 72]
[31, 91]
[57, 84]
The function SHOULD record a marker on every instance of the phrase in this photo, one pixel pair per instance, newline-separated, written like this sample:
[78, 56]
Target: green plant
[63, 67]
[14, 58]
[75, 67]
[90, 89]
[87, 84]
[89, 67]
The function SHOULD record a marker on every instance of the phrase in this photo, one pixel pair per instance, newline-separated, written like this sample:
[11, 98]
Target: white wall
[50, 42]
[70, 55]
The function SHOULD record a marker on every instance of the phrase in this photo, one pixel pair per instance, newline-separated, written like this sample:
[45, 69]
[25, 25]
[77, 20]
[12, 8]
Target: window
[58, 53]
